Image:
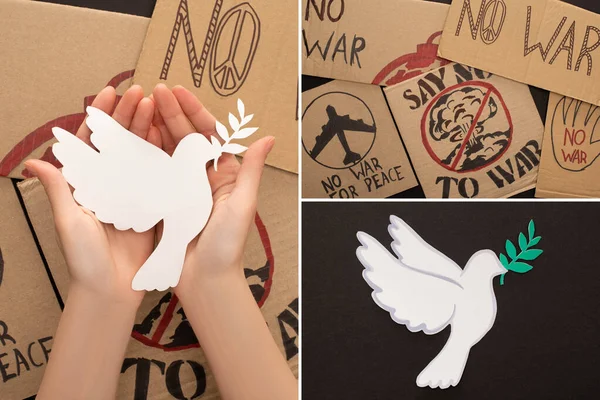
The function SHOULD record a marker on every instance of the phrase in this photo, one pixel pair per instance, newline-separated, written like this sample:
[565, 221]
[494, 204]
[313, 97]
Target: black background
[545, 340]
[539, 96]
[142, 8]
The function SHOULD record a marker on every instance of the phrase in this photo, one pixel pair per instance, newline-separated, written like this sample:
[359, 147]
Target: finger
[199, 116]
[248, 179]
[105, 101]
[171, 112]
[142, 118]
[159, 231]
[125, 110]
[168, 144]
[154, 136]
[57, 189]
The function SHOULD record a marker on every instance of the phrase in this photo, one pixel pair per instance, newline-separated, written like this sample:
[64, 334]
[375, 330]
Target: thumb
[248, 179]
[56, 188]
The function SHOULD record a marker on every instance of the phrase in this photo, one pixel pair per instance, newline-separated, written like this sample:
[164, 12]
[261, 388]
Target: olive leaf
[239, 132]
[222, 131]
[527, 252]
[241, 108]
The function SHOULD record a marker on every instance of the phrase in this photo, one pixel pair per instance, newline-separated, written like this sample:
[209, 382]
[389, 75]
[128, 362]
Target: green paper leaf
[531, 229]
[535, 241]
[520, 267]
[531, 254]
[511, 249]
[522, 242]
[504, 260]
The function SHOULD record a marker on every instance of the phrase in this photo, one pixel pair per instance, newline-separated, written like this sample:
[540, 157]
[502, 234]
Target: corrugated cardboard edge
[32, 189]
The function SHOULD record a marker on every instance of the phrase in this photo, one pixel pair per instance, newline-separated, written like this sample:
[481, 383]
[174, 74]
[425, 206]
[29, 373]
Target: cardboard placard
[569, 166]
[163, 356]
[351, 147]
[468, 132]
[365, 42]
[544, 43]
[30, 311]
[38, 69]
[223, 50]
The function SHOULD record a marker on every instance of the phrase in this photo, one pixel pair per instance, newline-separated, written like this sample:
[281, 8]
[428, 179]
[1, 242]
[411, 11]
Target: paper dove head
[133, 184]
[484, 265]
[426, 291]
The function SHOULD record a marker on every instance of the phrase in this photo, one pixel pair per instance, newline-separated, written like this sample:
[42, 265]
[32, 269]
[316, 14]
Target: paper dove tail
[447, 367]
[162, 269]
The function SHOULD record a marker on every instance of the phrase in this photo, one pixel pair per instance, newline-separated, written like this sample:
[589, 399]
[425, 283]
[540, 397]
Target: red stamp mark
[411, 65]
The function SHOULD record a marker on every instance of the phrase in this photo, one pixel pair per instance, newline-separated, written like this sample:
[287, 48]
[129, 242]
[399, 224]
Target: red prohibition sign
[167, 316]
[490, 91]
[225, 77]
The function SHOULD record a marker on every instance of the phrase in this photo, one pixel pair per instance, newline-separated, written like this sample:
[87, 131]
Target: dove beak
[501, 269]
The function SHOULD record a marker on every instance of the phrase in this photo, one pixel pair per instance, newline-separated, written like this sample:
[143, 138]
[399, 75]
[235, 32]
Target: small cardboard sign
[468, 132]
[57, 74]
[569, 166]
[223, 50]
[351, 147]
[544, 43]
[363, 41]
[30, 311]
[164, 359]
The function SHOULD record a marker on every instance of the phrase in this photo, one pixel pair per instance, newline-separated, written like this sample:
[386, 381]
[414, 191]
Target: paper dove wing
[123, 181]
[416, 253]
[415, 298]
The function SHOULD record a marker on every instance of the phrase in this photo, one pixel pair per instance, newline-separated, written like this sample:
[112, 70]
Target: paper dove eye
[133, 184]
[426, 291]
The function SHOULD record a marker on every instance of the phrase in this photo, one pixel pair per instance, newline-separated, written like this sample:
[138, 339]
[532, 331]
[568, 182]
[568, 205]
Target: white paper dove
[426, 291]
[133, 184]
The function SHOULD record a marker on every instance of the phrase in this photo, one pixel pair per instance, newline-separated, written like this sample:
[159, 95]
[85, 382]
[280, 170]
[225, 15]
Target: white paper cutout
[426, 291]
[133, 184]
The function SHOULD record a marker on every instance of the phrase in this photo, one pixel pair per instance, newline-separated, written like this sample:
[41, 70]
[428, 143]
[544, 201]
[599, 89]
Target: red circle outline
[168, 314]
[490, 88]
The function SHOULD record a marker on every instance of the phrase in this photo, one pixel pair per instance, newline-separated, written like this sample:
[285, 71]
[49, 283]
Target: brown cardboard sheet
[164, 356]
[350, 145]
[468, 133]
[569, 166]
[545, 43]
[30, 310]
[223, 50]
[54, 60]
[382, 42]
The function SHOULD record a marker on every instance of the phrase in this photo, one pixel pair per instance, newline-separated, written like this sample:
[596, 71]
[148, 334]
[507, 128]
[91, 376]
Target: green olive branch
[527, 253]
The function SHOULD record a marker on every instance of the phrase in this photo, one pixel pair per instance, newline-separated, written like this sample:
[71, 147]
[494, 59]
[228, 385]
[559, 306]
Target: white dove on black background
[426, 291]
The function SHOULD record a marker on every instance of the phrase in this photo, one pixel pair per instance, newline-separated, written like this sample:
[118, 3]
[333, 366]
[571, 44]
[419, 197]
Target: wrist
[104, 304]
[198, 285]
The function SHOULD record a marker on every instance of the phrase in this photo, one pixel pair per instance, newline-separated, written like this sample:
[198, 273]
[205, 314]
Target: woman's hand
[218, 250]
[213, 290]
[101, 259]
[99, 313]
